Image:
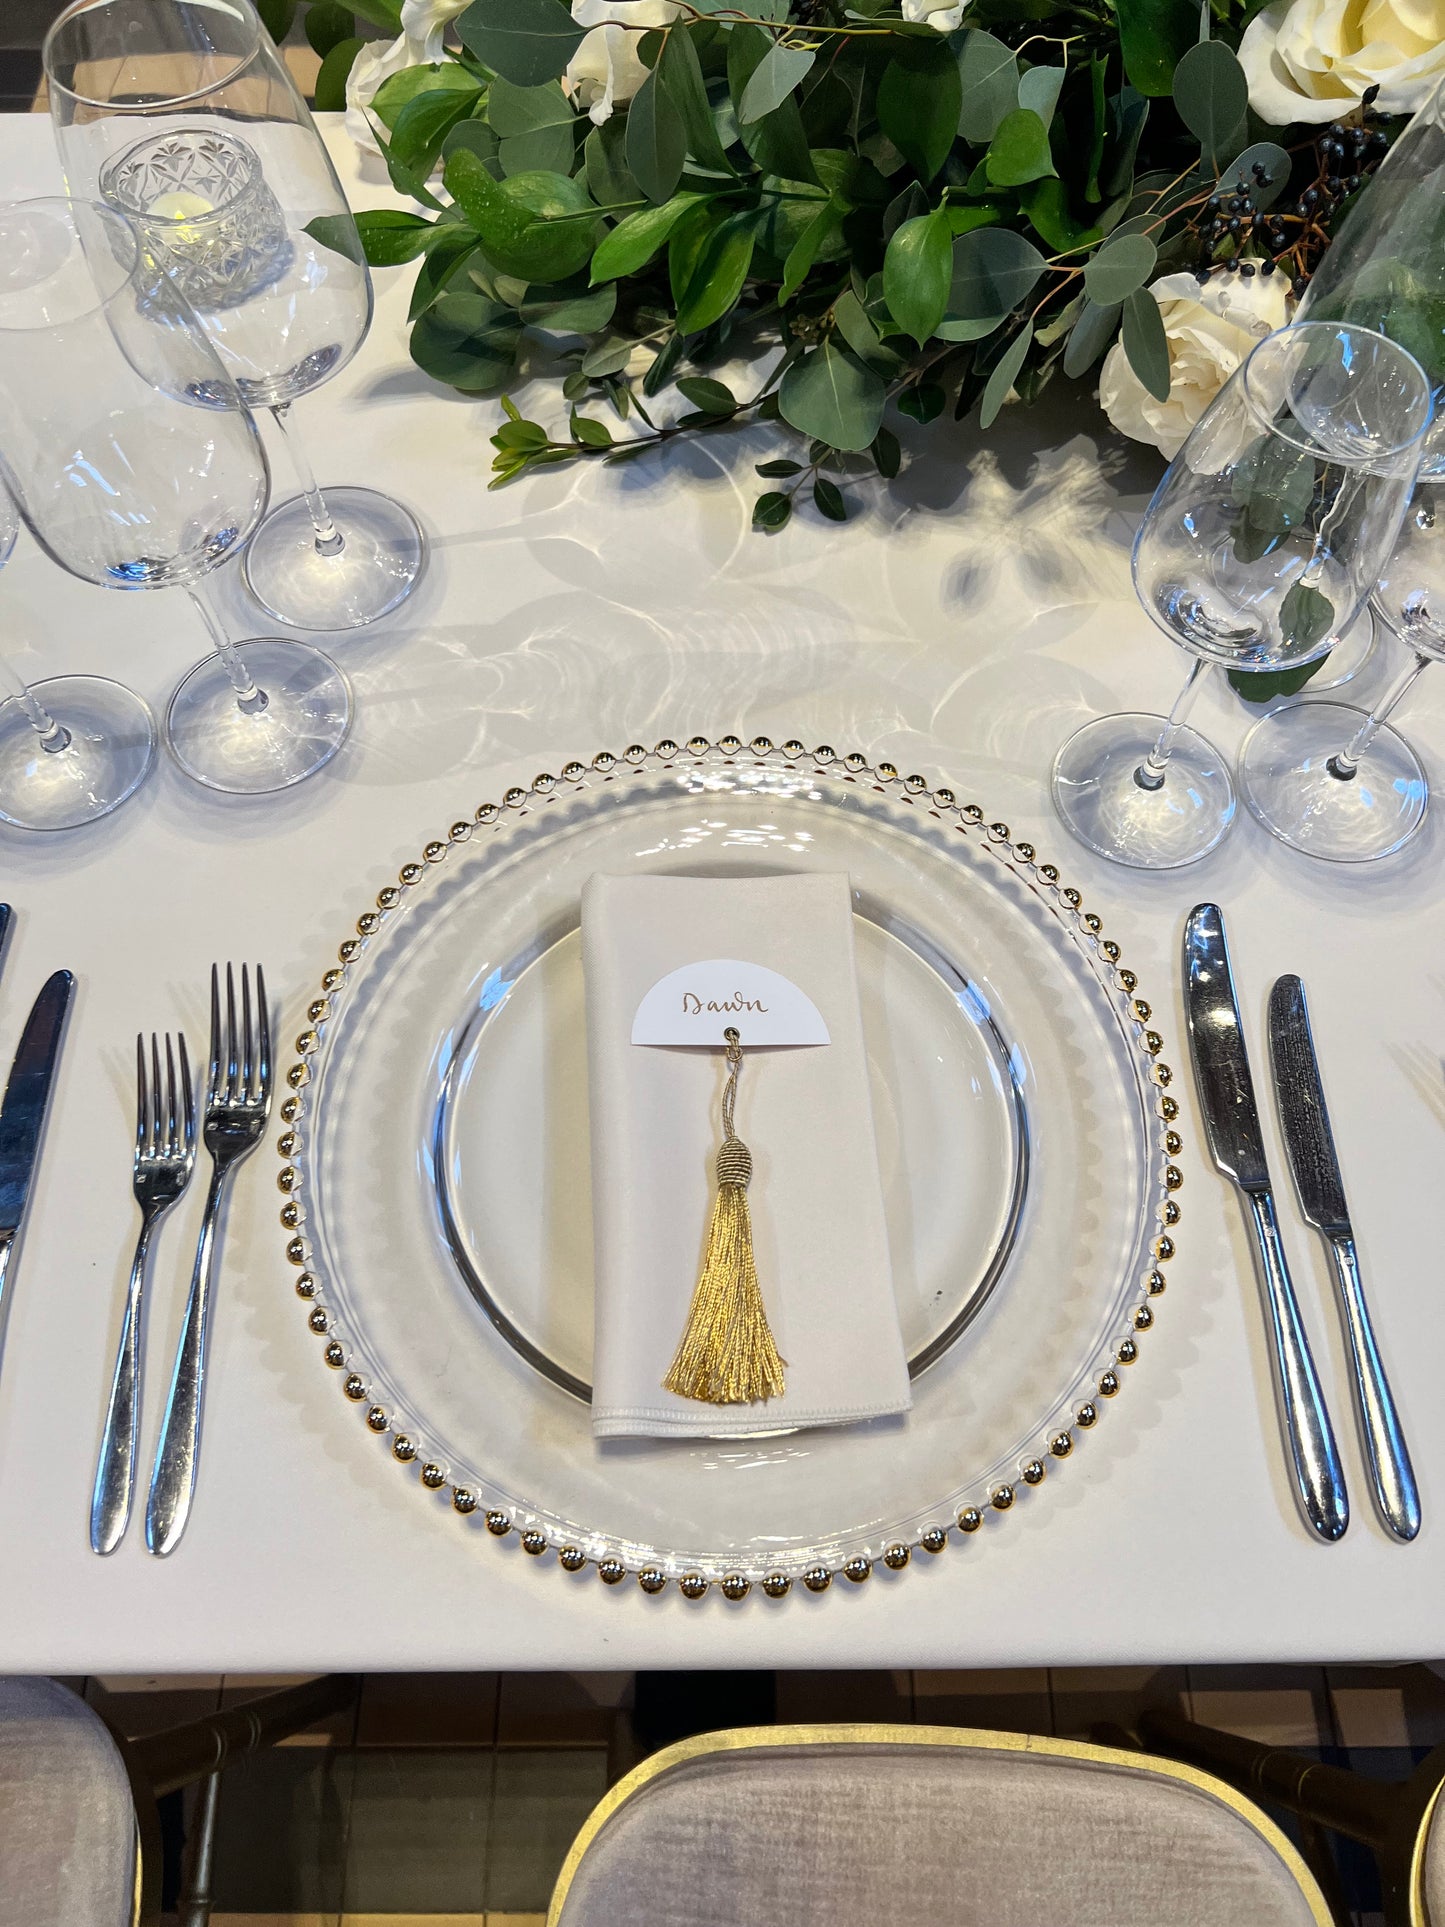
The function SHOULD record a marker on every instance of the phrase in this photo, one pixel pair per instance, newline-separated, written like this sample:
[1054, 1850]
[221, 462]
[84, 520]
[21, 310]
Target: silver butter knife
[1231, 1119]
[1311, 1146]
[22, 1112]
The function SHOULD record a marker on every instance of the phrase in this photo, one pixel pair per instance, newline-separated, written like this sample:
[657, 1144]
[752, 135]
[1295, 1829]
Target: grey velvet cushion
[67, 1824]
[935, 1835]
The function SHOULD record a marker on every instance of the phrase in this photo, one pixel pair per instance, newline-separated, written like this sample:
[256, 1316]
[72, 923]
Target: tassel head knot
[734, 1162]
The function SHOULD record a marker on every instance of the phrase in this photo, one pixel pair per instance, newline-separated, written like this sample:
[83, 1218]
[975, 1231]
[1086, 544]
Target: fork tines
[240, 1055]
[158, 1132]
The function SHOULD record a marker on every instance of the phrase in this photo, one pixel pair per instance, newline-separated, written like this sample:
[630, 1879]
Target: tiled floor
[445, 1800]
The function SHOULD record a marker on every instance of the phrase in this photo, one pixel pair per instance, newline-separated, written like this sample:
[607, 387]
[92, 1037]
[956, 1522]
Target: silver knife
[1231, 1120]
[1311, 1146]
[22, 1113]
[6, 913]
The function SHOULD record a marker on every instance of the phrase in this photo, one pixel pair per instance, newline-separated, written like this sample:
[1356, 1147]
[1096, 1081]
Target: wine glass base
[111, 751]
[1285, 779]
[305, 720]
[376, 569]
[1100, 802]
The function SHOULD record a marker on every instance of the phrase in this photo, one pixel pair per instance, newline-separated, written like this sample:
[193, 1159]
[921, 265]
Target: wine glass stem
[1150, 773]
[251, 699]
[53, 737]
[1345, 764]
[329, 539]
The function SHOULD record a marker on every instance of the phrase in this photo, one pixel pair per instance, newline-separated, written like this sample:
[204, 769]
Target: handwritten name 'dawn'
[694, 1006]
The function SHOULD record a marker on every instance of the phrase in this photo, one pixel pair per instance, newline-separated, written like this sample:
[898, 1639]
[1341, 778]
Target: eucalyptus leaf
[1019, 151]
[776, 75]
[988, 74]
[329, 91]
[918, 273]
[1090, 336]
[522, 110]
[1002, 377]
[656, 141]
[581, 311]
[466, 341]
[1126, 116]
[550, 150]
[609, 179]
[994, 269]
[1273, 159]
[852, 322]
[1039, 90]
[525, 41]
[607, 357]
[834, 397]
[475, 137]
[1154, 35]
[1145, 342]
[1264, 685]
[1212, 96]
[920, 96]
[1305, 616]
[1123, 264]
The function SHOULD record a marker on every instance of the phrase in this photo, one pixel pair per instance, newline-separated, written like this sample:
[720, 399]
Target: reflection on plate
[437, 1165]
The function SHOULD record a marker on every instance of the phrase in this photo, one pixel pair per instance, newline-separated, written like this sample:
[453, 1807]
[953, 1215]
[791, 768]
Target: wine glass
[54, 774]
[1258, 550]
[1326, 778]
[134, 465]
[181, 115]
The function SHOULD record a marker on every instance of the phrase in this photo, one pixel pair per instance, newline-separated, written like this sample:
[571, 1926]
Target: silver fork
[165, 1156]
[238, 1102]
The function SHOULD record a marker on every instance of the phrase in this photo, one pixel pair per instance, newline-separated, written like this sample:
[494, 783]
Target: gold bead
[859, 1567]
[1061, 1445]
[368, 923]
[290, 1109]
[1034, 1472]
[1161, 1074]
[896, 1557]
[298, 1077]
[915, 783]
[571, 1558]
[651, 1580]
[318, 1321]
[1164, 1248]
[354, 1387]
[1171, 1212]
[403, 1448]
[534, 1542]
[434, 852]
[388, 897]
[463, 1500]
[306, 1286]
[332, 979]
[975, 815]
[999, 830]
[574, 771]
[1173, 1143]
[1093, 922]
[1169, 1109]
[498, 1524]
[1128, 981]
[376, 1419]
[1142, 1010]
[1001, 1498]
[604, 760]
[1071, 896]
[318, 1010]
[793, 747]
[729, 744]
[1157, 1283]
[286, 1144]
[933, 1538]
[1024, 850]
[1128, 1352]
[1143, 1318]
[1111, 950]
[335, 1356]
[1086, 1416]
[296, 1251]
[762, 745]
[611, 1570]
[944, 798]
[459, 832]
[970, 1519]
[290, 1214]
[1108, 1385]
[348, 950]
[1153, 1042]
[817, 1579]
[432, 1476]
[692, 1585]
[546, 781]
[735, 1586]
[411, 873]
[777, 1585]
[855, 760]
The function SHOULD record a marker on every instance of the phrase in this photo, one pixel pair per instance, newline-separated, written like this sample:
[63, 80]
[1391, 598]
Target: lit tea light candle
[180, 205]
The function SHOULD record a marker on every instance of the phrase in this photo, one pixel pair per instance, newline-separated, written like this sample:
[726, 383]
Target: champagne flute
[182, 115]
[57, 775]
[134, 465]
[1324, 777]
[1259, 548]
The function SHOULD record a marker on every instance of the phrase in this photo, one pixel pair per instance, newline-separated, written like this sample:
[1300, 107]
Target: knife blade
[6, 914]
[1310, 1142]
[22, 1111]
[1236, 1143]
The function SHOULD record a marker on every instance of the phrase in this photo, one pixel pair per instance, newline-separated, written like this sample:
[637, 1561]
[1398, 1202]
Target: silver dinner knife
[1311, 1146]
[22, 1112]
[1231, 1122]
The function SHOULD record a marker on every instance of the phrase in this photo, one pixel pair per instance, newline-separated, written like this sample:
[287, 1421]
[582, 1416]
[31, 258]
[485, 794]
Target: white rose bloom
[605, 71]
[1311, 60]
[942, 15]
[421, 44]
[1210, 330]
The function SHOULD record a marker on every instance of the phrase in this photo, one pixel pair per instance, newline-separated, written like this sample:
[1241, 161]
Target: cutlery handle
[110, 1498]
[178, 1451]
[1318, 1475]
[1391, 1474]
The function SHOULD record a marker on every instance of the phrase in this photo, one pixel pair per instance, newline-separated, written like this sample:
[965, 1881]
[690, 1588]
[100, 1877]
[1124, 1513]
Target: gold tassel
[727, 1355]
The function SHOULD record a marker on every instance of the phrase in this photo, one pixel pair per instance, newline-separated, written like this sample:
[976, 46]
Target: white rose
[421, 44]
[606, 70]
[1210, 330]
[1311, 60]
[942, 15]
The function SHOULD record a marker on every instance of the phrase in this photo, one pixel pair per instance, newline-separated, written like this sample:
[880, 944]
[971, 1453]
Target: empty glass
[134, 465]
[71, 747]
[1324, 777]
[1259, 548]
[181, 115]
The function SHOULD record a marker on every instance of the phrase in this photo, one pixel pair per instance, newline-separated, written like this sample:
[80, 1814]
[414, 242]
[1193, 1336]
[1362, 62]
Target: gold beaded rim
[895, 1556]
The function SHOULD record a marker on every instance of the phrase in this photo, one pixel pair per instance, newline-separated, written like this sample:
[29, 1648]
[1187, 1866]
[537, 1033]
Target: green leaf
[777, 143]
[656, 141]
[828, 499]
[852, 321]
[917, 274]
[546, 150]
[607, 358]
[1090, 336]
[385, 14]
[712, 397]
[277, 17]
[327, 25]
[1019, 151]
[424, 123]
[577, 311]
[832, 396]
[924, 403]
[466, 341]
[1276, 164]
[637, 237]
[1305, 616]
[590, 433]
[329, 94]
[1124, 263]
[452, 245]
[994, 270]
[1047, 205]
[718, 274]
[773, 79]
[772, 470]
[476, 138]
[1039, 89]
[341, 232]
[388, 236]
[772, 510]
[1154, 35]
[1145, 343]
[1002, 377]
[525, 41]
[516, 110]
[393, 93]
[1212, 96]
[609, 178]
[1263, 685]
[522, 222]
[516, 433]
[887, 455]
[679, 74]
[1127, 114]
[805, 250]
[919, 97]
[988, 74]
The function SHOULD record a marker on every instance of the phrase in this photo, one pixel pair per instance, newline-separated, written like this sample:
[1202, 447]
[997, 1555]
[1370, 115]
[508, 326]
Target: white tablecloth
[973, 615]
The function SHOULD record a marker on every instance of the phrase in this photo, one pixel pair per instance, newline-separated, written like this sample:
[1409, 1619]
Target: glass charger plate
[437, 1171]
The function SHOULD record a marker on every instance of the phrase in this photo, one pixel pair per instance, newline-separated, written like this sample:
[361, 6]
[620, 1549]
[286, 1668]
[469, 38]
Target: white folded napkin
[805, 1114]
